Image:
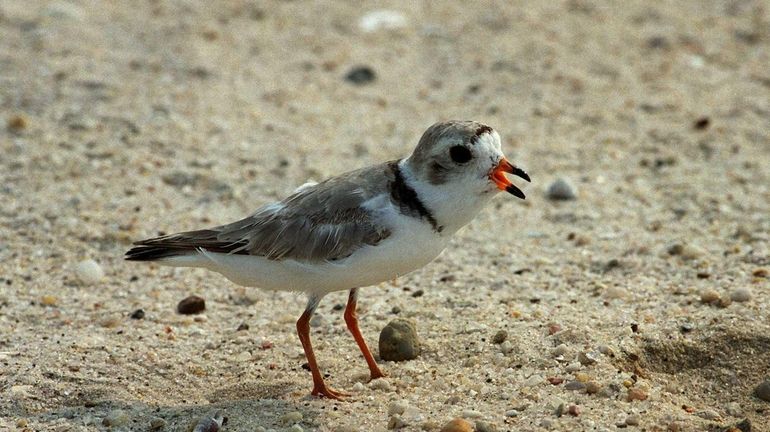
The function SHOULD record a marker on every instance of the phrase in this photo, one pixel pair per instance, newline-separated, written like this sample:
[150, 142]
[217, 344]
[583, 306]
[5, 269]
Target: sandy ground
[125, 119]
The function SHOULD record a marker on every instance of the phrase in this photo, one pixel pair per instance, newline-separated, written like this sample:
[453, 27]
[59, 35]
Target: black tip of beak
[513, 190]
[521, 173]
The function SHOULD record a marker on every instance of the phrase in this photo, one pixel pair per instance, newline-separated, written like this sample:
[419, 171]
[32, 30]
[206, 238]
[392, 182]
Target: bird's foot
[323, 391]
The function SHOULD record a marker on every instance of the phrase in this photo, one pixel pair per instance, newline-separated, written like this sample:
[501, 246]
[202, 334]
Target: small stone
[762, 391]
[506, 347]
[89, 272]
[691, 252]
[49, 300]
[553, 328]
[573, 367]
[209, 423]
[471, 414]
[360, 75]
[575, 386]
[396, 422]
[636, 394]
[157, 423]
[724, 302]
[561, 189]
[137, 314]
[555, 380]
[740, 295]
[397, 407]
[17, 123]
[532, 381]
[482, 426]
[242, 327]
[291, 417]
[358, 387]
[573, 410]
[381, 384]
[115, 418]
[615, 293]
[457, 425]
[512, 413]
[632, 420]
[296, 428]
[500, 337]
[588, 358]
[709, 295]
[398, 341]
[191, 305]
[734, 409]
[593, 387]
[560, 350]
[381, 19]
[22, 423]
[760, 273]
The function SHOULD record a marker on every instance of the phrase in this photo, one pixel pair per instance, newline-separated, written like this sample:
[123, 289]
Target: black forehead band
[479, 132]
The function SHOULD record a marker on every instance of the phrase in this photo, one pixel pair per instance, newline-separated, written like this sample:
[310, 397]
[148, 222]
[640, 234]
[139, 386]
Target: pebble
[243, 357]
[574, 410]
[575, 385]
[762, 391]
[471, 414]
[615, 292]
[381, 19]
[22, 423]
[49, 300]
[532, 381]
[636, 394]
[582, 377]
[709, 295]
[137, 314]
[191, 305]
[506, 347]
[398, 341]
[512, 413]
[632, 420]
[561, 189]
[380, 384]
[457, 425]
[210, 423]
[740, 295]
[397, 407]
[89, 272]
[17, 123]
[734, 409]
[291, 417]
[157, 423]
[593, 387]
[588, 358]
[500, 337]
[360, 75]
[296, 428]
[560, 350]
[482, 426]
[573, 367]
[358, 387]
[115, 418]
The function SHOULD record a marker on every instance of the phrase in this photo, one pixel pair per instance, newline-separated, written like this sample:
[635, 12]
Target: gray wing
[323, 222]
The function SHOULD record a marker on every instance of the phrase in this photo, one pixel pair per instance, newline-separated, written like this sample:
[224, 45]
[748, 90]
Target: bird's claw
[326, 392]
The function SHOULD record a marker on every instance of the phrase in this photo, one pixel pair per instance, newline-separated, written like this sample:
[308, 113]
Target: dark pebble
[137, 314]
[418, 293]
[398, 341]
[500, 337]
[338, 307]
[763, 391]
[242, 327]
[360, 75]
[191, 305]
[702, 123]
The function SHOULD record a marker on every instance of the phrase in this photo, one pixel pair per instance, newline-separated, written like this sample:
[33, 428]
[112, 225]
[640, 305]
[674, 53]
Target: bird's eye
[460, 154]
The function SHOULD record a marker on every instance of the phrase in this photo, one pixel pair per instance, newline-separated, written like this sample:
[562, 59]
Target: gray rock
[588, 358]
[740, 295]
[575, 385]
[561, 189]
[157, 423]
[398, 341]
[482, 426]
[762, 391]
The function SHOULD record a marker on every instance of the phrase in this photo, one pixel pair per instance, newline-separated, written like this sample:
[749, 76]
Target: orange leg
[303, 330]
[351, 319]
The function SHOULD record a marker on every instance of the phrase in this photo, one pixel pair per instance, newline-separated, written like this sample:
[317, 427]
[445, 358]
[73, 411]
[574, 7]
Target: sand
[121, 120]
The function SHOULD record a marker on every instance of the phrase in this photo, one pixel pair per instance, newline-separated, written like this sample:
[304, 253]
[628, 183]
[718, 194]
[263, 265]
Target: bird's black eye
[460, 154]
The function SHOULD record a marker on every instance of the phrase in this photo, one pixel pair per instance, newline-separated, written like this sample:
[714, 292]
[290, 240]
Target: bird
[354, 230]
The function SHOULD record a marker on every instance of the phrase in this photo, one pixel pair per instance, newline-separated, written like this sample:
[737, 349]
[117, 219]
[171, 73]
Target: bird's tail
[168, 249]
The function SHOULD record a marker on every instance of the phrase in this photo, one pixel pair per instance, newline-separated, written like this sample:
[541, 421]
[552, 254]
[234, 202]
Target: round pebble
[397, 407]
[762, 391]
[709, 295]
[137, 314]
[593, 387]
[632, 420]
[457, 425]
[381, 19]
[575, 386]
[157, 423]
[636, 394]
[191, 305]
[740, 295]
[482, 426]
[358, 387]
[49, 300]
[500, 337]
[734, 409]
[291, 417]
[398, 341]
[360, 75]
[89, 272]
[561, 189]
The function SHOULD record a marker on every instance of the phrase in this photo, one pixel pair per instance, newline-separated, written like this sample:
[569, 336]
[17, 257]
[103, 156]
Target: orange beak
[497, 175]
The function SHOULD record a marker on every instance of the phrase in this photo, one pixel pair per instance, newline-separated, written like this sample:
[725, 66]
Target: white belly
[412, 245]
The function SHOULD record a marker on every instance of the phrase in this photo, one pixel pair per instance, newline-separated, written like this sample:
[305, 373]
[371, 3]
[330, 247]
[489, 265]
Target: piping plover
[354, 230]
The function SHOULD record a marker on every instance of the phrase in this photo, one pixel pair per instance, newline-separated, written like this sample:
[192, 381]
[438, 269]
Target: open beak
[497, 175]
